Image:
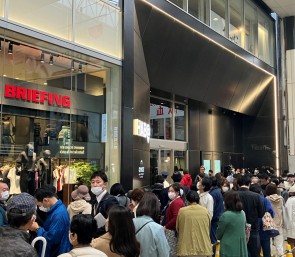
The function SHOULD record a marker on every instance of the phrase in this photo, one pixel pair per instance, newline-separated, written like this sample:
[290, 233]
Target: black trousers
[254, 244]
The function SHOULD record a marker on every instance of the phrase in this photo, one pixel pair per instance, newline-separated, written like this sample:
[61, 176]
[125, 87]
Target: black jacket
[252, 207]
[104, 205]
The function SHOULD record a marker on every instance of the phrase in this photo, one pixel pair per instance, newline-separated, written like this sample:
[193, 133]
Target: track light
[73, 66]
[51, 60]
[42, 58]
[10, 48]
[80, 68]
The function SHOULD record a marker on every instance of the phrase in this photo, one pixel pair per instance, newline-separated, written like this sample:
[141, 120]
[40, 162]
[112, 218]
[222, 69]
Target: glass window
[199, 9]
[218, 11]
[179, 3]
[236, 18]
[98, 25]
[265, 38]
[179, 122]
[53, 17]
[179, 159]
[161, 119]
[250, 27]
[54, 112]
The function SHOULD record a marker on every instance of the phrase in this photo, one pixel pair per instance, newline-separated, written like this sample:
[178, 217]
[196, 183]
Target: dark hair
[194, 187]
[232, 201]
[244, 180]
[271, 189]
[207, 183]
[193, 197]
[255, 188]
[117, 189]
[185, 171]
[149, 205]
[122, 230]
[84, 226]
[214, 181]
[15, 218]
[44, 192]
[159, 179]
[176, 187]
[136, 194]
[100, 174]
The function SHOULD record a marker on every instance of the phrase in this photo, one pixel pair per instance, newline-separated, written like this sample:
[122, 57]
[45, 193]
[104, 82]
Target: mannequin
[45, 167]
[27, 160]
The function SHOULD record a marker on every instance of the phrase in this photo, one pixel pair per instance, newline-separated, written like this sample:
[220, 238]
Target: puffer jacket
[14, 242]
[79, 207]
[84, 252]
[277, 203]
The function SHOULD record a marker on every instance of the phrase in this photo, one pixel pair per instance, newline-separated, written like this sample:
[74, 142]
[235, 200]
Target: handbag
[268, 226]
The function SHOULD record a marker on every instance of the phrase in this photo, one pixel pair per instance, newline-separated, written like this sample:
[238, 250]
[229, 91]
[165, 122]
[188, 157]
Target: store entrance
[167, 156]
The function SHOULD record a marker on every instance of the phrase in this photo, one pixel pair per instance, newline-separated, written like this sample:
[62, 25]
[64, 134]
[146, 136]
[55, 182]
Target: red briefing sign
[36, 96]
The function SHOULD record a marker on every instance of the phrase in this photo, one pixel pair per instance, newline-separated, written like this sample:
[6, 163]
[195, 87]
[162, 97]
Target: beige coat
[193, 227]
[103, 244]
[79, 206]
[84, 252]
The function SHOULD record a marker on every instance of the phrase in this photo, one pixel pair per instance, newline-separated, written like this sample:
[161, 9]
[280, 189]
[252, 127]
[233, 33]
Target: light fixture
[73, 66]
[80, 68]
[45, 83]
[10, 48]
[215, 19]
[42, 57]
[51, 60]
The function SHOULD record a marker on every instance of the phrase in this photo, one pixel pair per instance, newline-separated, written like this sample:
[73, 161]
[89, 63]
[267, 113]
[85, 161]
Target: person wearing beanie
[81, 203]
[14, 237]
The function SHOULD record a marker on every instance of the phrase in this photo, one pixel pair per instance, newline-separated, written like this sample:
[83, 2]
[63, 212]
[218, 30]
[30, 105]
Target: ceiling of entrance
[283, 8]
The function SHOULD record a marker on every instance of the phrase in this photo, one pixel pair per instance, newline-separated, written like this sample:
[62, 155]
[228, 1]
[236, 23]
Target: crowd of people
[188, 217]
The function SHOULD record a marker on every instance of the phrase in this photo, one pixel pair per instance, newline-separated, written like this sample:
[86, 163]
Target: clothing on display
[14, 181]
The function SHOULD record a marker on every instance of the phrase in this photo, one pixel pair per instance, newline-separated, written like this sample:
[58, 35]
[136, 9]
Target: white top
[84, 252]
[206, 200]
[14, 182]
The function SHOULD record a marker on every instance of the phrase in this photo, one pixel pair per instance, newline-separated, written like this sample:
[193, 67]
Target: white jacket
[84, 252]
[289, 217]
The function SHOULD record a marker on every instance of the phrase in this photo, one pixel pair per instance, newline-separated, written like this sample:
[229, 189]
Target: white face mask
[171, 195]
[5, 195]
[41, 208]
[225, 189]
[96, 190]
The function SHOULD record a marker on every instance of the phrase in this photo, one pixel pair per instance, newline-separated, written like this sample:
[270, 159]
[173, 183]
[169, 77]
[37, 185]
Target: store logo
[36, 96]
[142, 129]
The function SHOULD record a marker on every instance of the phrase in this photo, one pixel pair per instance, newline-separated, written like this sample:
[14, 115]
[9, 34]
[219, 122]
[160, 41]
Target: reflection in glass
[199, 9]
[179, 159]
[250, 27]
[235, 25]
[161, 119]
[179, 3]
[179, 122]
[218, 10]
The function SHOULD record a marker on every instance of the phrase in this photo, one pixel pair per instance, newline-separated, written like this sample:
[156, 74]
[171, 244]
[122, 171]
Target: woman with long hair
[120, 238]
[231, 227]
[149, 233]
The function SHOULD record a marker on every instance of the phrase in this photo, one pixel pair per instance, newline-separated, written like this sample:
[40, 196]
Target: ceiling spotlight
[42, 58]
[73, 66]
[51, 60]
[10, 48]
[80, 68]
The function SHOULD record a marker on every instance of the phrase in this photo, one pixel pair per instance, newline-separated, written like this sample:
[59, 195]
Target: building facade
[136, 87]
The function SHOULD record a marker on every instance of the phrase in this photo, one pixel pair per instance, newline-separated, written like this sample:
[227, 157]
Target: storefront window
[199, 9]
[265, 38]
[54, 113]
[235, 24]
[179, 160]
[161, 119]
[218, 11]
[250, 27]
[179, 3]
[179, 122]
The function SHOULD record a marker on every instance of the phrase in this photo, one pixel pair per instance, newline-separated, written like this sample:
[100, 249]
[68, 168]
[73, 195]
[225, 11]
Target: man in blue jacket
[57, 224]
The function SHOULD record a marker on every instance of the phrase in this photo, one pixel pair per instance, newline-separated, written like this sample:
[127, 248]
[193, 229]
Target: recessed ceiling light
[45, 83]
[4, 75]
[16, 78]
[215, 19]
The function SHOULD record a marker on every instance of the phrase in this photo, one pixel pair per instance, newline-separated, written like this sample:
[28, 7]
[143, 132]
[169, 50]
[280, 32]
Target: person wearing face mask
[14, 237]
[56, 226]
[4, 195]
[102, 201]
[176, 203]
[82, 230]
[225, 187]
